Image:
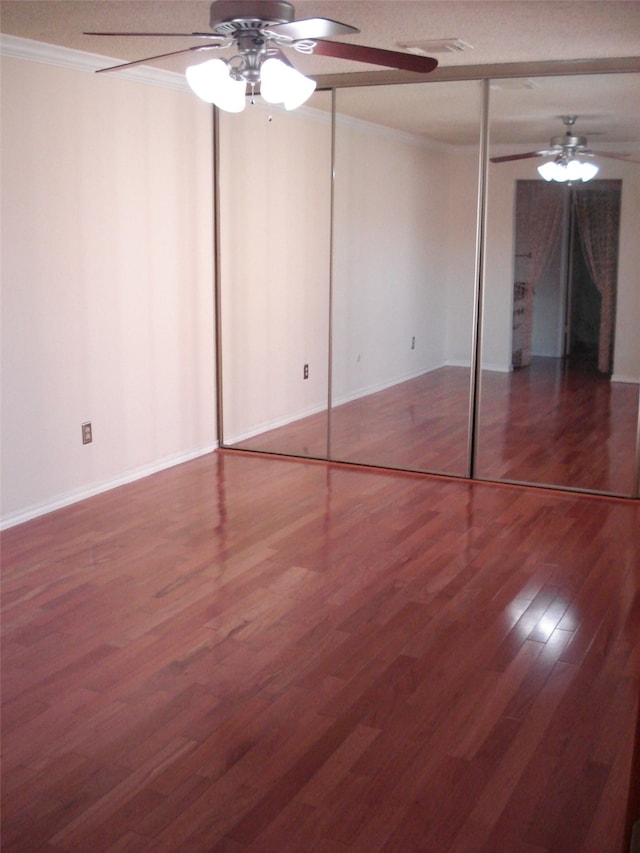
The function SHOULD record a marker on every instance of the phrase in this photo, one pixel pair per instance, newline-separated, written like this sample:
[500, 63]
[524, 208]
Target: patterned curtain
[538, 228]
[597, 215]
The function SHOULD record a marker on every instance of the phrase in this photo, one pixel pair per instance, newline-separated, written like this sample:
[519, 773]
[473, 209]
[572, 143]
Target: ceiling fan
[566, 151]
[259, 29]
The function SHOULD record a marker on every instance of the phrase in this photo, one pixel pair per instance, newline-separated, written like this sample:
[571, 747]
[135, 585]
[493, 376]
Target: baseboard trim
[492, 367]
[630, 380]
[76, 495]
[343, 399]
[275, 424]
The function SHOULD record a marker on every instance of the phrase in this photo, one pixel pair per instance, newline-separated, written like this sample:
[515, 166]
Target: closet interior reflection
[351, 275]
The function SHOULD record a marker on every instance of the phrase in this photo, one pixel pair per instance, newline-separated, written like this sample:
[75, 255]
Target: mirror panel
[561, 312]
[274, 198]
[404, 272]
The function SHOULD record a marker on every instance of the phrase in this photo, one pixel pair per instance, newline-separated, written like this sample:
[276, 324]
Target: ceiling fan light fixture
[572, 170]
[217, 83]
[212, 82]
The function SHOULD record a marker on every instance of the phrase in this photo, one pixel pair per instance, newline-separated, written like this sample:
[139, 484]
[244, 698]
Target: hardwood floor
[422, 425]
[250, 654]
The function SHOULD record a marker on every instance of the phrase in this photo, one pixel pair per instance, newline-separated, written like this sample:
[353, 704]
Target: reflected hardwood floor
[247, 654]
[549, 423]
[417, 425]
[559, 424]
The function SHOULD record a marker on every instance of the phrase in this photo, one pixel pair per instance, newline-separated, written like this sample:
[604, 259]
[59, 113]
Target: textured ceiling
[499, 31]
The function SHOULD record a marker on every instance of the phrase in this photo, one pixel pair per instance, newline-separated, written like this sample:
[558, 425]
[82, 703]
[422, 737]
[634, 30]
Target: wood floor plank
[249, 654]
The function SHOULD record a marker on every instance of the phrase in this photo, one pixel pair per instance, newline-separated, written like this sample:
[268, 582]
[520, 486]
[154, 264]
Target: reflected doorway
[565, 287]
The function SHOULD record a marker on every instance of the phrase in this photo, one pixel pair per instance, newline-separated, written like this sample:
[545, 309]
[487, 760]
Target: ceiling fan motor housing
[568, 141]
[228, 17]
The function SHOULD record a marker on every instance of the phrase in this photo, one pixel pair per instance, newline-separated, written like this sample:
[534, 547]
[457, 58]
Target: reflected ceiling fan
[259, 30]
[570, 161]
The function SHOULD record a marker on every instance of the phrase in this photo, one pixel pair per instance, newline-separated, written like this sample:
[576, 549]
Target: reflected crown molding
[391, 133]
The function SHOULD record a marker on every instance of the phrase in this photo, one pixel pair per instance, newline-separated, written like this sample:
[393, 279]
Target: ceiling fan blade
[163, 35]
[157, 56]
[626, 158]
[376, 56]
[311, 28]
[508, 157]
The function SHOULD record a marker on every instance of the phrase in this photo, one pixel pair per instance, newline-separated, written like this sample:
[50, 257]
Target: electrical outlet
[305, 371]
[87, 433]
[413, 343]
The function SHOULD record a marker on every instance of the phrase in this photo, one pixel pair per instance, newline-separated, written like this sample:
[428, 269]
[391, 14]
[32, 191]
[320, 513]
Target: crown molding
[16, 47]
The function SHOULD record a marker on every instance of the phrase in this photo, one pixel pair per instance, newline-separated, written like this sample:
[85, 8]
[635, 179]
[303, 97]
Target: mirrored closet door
[274, 230]
[561, 333]
[404, 272]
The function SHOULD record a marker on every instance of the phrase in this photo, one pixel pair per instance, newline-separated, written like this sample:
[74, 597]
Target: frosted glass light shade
[589, 170]
[300, 89]
[273, 82]
[548, 170]
[211, 81]
[574, 171]
[282, 84]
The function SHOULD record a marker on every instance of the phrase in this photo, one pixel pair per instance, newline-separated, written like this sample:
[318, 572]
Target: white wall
[107, 311]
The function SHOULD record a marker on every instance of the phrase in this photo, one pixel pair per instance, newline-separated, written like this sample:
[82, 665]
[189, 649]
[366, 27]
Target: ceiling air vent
[427, 48]
[514, 83]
